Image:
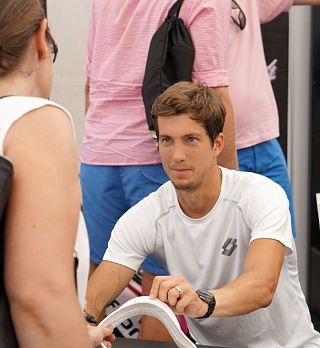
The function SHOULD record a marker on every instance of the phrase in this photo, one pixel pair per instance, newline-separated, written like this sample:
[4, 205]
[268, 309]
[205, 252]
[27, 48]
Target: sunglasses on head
[240, 20]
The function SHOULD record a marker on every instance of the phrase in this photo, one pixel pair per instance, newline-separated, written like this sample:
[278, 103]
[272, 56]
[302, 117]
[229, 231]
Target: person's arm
[259, 279]
[41, 228]
[90, 47]
[270, 10]
[87, 91]
[306, 2]
[252, 290]
[105, 284]
[228, 156]
[132, 240]
[207, 20]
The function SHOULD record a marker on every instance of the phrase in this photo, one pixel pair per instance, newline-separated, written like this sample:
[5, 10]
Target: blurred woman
[46, 253]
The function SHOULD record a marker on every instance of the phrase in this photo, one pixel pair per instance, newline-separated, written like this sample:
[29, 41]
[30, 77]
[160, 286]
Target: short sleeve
[133, 238]
[208, 22]
[267, 214]
[269, 9]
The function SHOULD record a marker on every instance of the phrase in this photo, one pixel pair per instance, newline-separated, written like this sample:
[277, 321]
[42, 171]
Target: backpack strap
[175, 9]
[7, 333]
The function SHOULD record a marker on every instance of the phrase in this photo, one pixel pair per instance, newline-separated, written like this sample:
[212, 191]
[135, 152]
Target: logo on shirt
[229, 246]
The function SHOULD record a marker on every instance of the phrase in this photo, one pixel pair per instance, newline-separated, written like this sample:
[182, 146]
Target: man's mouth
[180, 170]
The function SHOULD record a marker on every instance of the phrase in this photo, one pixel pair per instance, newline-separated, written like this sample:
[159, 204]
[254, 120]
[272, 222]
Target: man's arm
[306, 2]
[228, 156]
[254, 289]
[105, 284]
[207, 20]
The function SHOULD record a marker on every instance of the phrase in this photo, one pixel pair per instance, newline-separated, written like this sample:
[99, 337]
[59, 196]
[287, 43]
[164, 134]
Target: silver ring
[179, 290]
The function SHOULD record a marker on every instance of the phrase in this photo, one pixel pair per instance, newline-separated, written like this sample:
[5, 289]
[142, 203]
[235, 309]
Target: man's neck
[200, 202]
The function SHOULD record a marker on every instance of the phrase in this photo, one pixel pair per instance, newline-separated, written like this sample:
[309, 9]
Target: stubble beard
[191, 186]
[188, 187]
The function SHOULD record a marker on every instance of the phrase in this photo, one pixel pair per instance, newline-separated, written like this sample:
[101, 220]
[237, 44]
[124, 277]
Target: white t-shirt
[209, 253]
[11, 109]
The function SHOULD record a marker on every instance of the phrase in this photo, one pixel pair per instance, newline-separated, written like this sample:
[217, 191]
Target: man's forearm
[255, 288]
[252, 290]
[105, 284]
[228, 156]
[245, 295]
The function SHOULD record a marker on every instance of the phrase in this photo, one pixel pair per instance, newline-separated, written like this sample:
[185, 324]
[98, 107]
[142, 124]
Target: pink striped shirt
[120, 31]
[254, 104]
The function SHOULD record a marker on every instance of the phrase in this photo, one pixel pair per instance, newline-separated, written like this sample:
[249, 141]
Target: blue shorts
[107, 193]
[267, 159]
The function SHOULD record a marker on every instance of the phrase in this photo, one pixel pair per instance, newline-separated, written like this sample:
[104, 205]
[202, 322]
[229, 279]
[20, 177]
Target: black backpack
[170, 59]
[7, 335]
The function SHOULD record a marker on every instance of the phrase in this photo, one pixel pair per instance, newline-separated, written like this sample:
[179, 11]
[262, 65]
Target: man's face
[186, 151]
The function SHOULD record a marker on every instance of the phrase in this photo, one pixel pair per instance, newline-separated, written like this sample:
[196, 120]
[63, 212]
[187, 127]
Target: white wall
[69, 23]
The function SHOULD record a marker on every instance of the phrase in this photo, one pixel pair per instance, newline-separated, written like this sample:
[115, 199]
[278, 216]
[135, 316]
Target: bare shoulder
[43, 133]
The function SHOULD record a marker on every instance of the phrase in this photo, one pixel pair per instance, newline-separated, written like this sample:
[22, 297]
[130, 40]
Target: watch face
[205, 295]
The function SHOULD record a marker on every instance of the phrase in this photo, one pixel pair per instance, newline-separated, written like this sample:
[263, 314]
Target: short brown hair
[195, 98]
[19, 20]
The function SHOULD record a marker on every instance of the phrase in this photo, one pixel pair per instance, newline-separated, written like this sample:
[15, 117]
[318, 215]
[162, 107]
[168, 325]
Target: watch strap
[90, 318]
[208, 298]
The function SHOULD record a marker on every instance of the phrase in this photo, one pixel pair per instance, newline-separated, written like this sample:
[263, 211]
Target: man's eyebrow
[193, 135]
[183, 136]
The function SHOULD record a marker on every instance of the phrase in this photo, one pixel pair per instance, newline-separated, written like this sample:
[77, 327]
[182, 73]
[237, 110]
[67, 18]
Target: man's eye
[165, 140]
[192, 139]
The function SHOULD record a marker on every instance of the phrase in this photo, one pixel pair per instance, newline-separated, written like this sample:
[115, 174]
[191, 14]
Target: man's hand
[179, 295]
[100, 335]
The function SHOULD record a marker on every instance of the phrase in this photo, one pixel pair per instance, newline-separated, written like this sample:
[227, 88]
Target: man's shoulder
[158, 202]
[239, 183]
[268, 10]
[163, 197]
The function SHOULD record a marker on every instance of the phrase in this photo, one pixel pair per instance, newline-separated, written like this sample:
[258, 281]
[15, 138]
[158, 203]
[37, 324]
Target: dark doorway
[314, 279]
[275, 39]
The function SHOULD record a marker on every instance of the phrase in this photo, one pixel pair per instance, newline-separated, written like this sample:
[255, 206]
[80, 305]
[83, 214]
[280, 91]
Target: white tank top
[11, 109]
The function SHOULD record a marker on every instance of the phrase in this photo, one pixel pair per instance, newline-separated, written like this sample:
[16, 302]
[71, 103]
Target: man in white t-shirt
[225, 237]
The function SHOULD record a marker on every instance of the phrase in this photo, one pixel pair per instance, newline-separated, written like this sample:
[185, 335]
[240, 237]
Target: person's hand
[179, 295]
[100, 335]
[272, 70]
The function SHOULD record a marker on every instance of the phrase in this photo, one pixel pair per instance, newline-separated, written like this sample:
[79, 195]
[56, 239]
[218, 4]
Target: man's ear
[41, 40]
[218, 144]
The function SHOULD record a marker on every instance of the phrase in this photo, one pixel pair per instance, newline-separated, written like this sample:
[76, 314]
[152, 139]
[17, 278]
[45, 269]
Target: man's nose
[178, 153]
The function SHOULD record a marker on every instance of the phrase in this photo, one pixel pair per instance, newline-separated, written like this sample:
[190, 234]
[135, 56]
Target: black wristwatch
[207, 297]
[90, 318]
